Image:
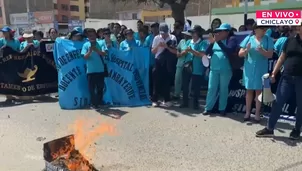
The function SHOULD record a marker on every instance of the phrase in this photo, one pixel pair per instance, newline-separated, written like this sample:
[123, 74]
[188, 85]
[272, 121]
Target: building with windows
[2, 13]
[58, 13]
[68, 10]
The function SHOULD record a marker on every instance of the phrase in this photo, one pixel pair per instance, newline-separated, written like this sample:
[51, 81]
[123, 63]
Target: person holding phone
[195, 50]
[181, 57]
[108, 43]
[92, 52]
[129, 42]
[164, 48]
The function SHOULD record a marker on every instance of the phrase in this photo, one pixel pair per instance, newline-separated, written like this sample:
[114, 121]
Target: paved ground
[148, 139]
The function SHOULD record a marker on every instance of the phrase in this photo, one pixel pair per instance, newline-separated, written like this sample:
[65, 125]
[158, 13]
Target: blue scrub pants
[178, 81]
[218, 85]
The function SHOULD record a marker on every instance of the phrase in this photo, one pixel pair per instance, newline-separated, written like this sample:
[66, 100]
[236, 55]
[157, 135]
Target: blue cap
[224, 27]
[6, 29]
[78, 29]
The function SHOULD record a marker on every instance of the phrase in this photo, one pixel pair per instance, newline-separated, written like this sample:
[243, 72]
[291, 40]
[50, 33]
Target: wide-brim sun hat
[255, 26]
[28, 35]
[186, 33]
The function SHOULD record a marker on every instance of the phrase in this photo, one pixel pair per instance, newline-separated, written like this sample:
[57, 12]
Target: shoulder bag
[106, 74]
[188, 65]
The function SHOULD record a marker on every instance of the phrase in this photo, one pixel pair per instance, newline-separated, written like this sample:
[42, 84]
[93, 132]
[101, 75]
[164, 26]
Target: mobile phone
[93, 43]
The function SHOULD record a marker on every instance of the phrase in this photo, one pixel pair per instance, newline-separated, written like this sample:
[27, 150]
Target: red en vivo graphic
[278, 17]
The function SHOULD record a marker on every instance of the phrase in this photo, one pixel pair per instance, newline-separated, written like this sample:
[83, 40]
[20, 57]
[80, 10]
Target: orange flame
[86, 132]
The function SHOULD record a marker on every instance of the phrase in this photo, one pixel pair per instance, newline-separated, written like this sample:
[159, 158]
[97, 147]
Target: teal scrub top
[255, 64]
[145, 43]
[24, 44]
[183, 45]
[113, 38]
[127, 45]
[150, 39]
[219, 60]
[14, 44]
[269, 32]
[278, 47]
[200, 46]
[103, 44]
[136, 35]
[94, 63]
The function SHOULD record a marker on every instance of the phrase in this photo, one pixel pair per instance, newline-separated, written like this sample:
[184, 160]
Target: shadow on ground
[18, 102]
[112, 112]
[290, 166]
[175, 111]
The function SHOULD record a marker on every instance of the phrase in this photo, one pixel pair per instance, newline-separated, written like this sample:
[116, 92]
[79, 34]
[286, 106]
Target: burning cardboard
[61, 155]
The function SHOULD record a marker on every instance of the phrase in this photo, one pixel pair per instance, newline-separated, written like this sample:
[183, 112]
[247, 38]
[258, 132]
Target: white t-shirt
[158, 39]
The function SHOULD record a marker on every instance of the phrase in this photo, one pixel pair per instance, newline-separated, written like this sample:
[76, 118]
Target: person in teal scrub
[278, 46]
[8, 40]
[100, 33]
[256, 49]
[129, 42]
[196, 50]
[154, 32]
[143, 42]
[181, 55]
[29, 42]
[222, 45]
[140, 25]
[107, 41]
[93, 53]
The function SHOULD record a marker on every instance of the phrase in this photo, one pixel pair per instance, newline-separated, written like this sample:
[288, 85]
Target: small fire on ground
[61, 154]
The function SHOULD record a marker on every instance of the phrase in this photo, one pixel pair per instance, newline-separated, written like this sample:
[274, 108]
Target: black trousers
[150, 82]
[96, 87]
[161, 82]
[196, 85]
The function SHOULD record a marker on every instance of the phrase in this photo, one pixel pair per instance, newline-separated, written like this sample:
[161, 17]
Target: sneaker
[295, 134]
[175, 97]
[184, 105]
[8, 101]
[155, 104]
[222, 113]
[167, 104]
[94, 107]
[207, 112]
[196, 106]
[265, 133]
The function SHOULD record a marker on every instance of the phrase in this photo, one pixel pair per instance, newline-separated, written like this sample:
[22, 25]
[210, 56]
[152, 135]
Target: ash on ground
[74, 162]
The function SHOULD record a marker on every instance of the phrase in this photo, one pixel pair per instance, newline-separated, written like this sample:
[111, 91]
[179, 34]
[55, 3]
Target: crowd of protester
[177, 61]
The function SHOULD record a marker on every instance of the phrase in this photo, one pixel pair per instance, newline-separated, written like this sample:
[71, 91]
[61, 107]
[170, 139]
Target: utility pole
[198, 4]
[27, 6]
[28, 11]
[210, 13]
[246, 4]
